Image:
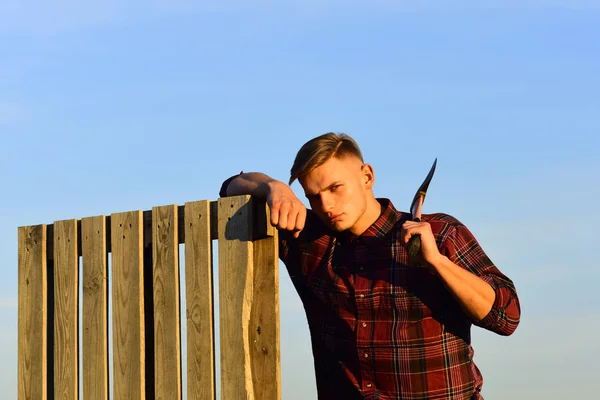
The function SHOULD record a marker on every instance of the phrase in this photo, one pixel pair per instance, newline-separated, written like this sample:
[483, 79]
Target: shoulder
[442, 218]
[443, 225]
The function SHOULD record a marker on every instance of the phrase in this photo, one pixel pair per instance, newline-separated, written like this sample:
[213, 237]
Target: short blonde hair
[317, 151]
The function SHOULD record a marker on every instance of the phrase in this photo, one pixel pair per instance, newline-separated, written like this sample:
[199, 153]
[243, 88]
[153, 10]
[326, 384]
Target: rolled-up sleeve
[461, 247]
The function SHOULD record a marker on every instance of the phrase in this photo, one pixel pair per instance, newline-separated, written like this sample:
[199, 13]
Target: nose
[326, 203]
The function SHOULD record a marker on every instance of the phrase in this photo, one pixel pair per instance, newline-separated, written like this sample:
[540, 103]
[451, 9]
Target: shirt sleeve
[223, 191]
[288, 247]
[291, 248]
[461, 247]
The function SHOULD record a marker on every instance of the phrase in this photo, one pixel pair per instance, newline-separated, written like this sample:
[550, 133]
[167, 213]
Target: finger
[409, 236]
[301, 219]
[274, 209]
[284, 211]
[408, 232]
[295, 223]
[291, 217]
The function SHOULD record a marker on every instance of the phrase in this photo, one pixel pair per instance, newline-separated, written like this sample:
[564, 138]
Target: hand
[429, 250]
[287, 211]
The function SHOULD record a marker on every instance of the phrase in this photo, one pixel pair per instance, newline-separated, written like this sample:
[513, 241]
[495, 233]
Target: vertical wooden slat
[66, 310]
[199, 301]
[95, 308]
[264, 318]
[32, 347]
[167, 348]
[128, 305]
[235, 296]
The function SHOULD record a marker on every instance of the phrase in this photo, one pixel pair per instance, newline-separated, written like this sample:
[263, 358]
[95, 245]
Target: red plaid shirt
[381, 329]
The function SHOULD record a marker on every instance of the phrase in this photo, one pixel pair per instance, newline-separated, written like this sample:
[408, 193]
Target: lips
[335, 218]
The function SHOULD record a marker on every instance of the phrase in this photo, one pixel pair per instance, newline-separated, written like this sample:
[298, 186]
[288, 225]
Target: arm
[486, 296]
[287, 211]
[252, 183]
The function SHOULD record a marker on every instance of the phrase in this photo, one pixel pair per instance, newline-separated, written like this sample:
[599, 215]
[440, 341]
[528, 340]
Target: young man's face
[338, 191]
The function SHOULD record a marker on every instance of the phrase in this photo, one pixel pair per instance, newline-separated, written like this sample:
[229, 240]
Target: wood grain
[66, 310]
[167, 348]
[235, 296]
[128, 305]
[33, 313]
[94, 262]
[260, 230]
[199, 301]
[264, 319]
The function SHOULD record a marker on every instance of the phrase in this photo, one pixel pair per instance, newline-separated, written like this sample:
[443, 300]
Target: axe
[414, 245]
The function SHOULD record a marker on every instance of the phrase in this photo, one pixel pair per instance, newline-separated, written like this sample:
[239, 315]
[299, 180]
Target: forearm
[475, 296]
[252, 183]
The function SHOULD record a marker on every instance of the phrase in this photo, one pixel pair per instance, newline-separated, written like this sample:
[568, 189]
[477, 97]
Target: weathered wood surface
[167, 338]
[66, 310]
[33, 313]
[144, 280]
[128, 306]
[264, 320]
[95, 308]
[248, 307]
[199, 301]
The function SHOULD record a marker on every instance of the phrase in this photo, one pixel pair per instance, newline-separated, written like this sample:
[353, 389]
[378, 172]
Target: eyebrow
[309, 195]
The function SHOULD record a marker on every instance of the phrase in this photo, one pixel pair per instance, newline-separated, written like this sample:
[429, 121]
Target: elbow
[512, 316]
[511, 322]
[502, 321]
[508, 328]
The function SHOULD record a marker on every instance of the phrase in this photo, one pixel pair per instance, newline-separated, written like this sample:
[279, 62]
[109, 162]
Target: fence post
[249, 303]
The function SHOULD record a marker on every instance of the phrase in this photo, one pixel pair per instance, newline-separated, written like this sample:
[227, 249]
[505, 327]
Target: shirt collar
[380, 228]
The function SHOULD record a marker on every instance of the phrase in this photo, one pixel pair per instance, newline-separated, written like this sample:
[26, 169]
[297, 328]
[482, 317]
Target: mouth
[335, 218]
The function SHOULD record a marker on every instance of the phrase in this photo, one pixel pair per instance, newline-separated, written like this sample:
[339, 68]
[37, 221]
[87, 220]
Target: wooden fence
[143, 250]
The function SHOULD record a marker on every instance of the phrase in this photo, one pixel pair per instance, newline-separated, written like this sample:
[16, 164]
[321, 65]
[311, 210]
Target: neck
[372, 212]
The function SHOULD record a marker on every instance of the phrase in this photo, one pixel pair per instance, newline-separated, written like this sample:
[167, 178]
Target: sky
[111, 106]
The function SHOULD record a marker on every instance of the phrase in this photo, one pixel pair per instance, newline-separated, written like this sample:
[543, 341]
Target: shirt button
[369, 385]
[362, 296]
[364, 324]
[366, 355]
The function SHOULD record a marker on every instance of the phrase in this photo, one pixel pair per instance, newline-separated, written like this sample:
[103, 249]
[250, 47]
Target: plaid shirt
[381, 329]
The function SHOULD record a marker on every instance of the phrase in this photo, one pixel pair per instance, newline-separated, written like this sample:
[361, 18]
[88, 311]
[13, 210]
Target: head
[337, 182]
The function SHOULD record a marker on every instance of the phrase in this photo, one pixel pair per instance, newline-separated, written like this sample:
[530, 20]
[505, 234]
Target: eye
[335, 187]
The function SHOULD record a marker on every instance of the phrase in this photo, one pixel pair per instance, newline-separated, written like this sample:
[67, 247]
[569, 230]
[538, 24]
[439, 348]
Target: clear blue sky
[108, 107]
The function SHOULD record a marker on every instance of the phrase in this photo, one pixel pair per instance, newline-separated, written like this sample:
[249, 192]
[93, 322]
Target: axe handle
[414, 244]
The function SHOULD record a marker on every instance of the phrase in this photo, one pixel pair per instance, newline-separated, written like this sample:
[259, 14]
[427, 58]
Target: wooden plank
[199, 301]
[235, 296]
[95, 308]
[264, 317]
[128, 305]
[66, 310]
[32, 330]
[167, 348]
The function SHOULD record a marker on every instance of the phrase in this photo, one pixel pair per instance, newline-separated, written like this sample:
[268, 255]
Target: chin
[339, 226]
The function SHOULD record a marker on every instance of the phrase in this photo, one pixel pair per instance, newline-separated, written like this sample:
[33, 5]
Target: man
[380, 328]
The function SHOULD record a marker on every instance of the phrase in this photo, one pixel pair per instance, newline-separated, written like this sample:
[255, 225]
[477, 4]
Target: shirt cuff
[491, 318]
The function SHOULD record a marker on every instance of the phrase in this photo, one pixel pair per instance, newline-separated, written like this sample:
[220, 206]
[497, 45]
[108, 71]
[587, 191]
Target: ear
[367, 176]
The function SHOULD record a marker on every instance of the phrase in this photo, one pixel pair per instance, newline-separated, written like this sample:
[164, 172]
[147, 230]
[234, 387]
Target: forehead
[333, 170]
